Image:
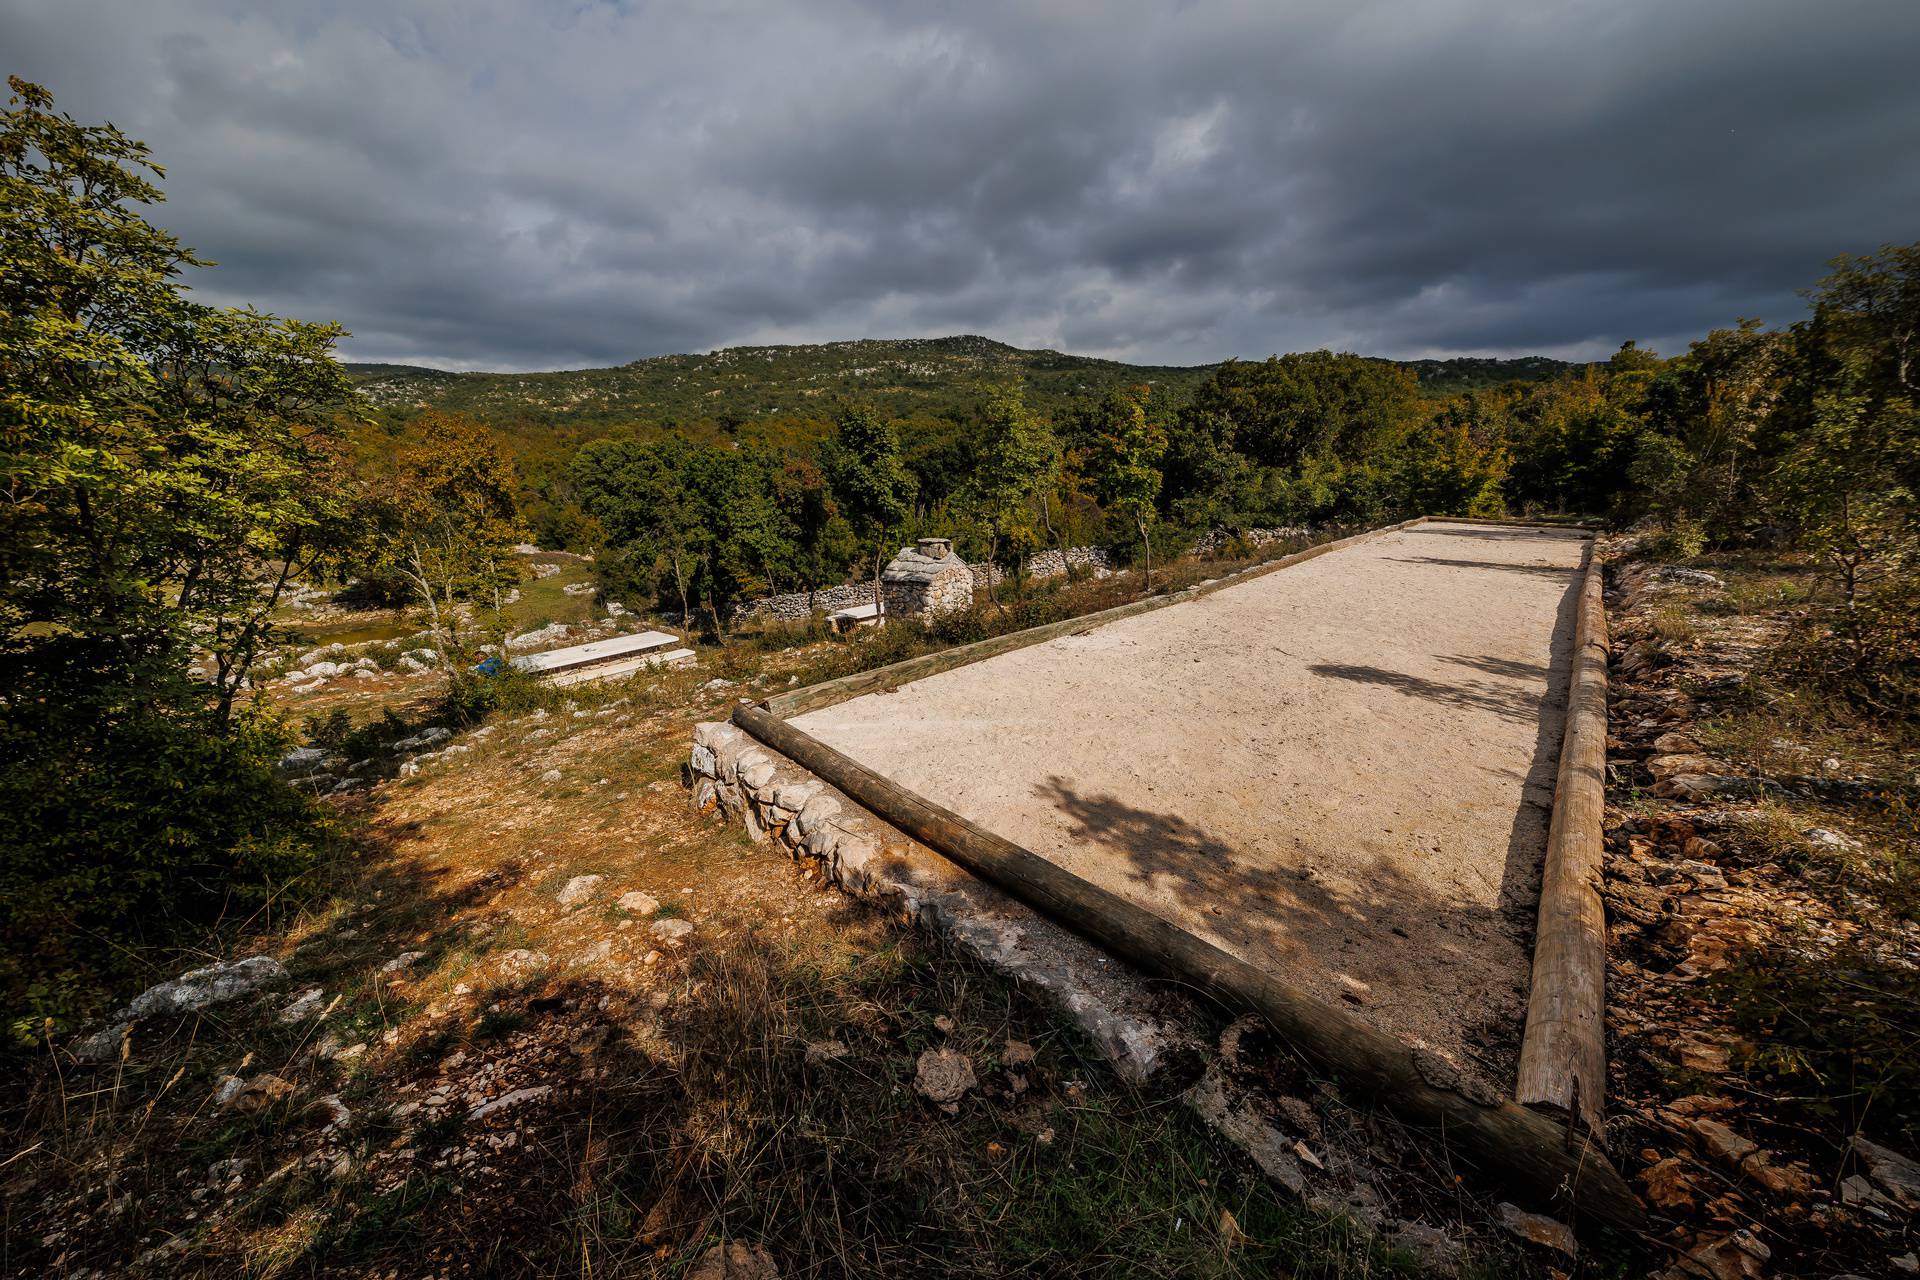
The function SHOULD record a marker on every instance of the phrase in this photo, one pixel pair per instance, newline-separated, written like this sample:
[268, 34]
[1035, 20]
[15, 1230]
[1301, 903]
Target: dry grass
[684, 1106]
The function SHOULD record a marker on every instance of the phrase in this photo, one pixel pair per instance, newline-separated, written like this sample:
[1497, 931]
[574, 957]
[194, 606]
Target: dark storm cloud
[534, 185]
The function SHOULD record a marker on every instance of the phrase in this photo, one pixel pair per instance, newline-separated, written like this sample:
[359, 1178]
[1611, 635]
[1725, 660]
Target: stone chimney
[934, 548]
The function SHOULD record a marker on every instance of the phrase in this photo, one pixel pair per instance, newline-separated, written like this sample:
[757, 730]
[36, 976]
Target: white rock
[672, 929]
[302, 760]
[545, 635]
[405, 960]
[303, 1006]
[487, 1108]
[580, 890]
[422, 740]
[551, 775]
[214, 984]
[641, 904]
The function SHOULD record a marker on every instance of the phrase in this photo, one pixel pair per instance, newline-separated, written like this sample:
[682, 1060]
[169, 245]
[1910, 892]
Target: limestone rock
[580, 890]
[214, 984]
[1673, 766]
[514, 1099]
[1226, 1108]
[303, 1006]
[641, 904]
[672, 929]
[1538, 1229]
[1894, 1175]
[245, 1097]
[302, 761]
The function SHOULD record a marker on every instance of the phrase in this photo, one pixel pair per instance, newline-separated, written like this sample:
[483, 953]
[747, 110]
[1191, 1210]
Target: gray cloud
[505, 185]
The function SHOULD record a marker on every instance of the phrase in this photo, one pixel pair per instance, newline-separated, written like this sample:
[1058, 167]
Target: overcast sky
[526, 185]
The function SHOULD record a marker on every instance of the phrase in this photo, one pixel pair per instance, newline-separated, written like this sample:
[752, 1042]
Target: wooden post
[1543, 1161]
[1563, 1059]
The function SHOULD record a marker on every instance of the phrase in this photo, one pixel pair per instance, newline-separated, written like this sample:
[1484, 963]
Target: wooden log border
[1563, 1062]
[1542, 1161]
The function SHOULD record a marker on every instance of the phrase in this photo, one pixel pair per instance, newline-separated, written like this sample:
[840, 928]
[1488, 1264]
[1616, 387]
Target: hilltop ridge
[915, 375]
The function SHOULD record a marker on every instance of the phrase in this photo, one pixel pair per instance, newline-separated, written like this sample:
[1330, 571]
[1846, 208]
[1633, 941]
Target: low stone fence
[797, 605]
[1214, 540]
[777, 800]
[1045, 564]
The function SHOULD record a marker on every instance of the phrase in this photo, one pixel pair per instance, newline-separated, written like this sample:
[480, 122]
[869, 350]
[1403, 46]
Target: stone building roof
[913, 564]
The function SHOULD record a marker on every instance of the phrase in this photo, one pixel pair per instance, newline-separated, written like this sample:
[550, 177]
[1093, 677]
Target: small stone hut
[925, 579]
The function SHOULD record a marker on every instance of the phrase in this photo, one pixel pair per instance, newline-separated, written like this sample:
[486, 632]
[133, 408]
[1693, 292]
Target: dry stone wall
[796, 607]
[776, 800]
[1214, 540]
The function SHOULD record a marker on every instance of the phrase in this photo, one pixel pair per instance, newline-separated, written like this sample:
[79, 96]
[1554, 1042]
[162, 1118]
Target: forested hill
[938, 376]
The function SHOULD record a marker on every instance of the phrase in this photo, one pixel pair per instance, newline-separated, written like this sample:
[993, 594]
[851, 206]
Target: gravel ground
[1342, 771]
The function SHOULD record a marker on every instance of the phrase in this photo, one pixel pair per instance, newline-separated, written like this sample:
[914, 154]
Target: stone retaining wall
[777, 800]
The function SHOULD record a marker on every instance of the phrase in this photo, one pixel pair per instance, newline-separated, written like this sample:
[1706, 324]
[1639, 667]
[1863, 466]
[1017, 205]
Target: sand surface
[1341, 771]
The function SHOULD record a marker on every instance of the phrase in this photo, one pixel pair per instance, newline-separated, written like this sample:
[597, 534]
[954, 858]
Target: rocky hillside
[914, 375]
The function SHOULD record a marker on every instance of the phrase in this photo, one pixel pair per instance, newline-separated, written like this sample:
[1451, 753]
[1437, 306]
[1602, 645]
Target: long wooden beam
[1563, 1060]
[1542, 1161]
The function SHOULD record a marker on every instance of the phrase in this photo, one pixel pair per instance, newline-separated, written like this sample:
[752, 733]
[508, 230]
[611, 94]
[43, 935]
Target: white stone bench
[612, 649]
[859, 615]
[625, 667]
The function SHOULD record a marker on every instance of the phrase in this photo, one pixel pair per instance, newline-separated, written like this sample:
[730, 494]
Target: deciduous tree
[1124, 459]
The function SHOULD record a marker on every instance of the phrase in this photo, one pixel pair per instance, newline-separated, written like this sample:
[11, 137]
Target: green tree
[1014, 464]
[1124, 460]
[1846, 470]
[873, 488]
[1456, 464]
[166, 470]
[1706, 412]
[453, 524]
[1874, 301]
[639, 494]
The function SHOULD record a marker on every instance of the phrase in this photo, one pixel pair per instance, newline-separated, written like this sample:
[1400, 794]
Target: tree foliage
[167, 469]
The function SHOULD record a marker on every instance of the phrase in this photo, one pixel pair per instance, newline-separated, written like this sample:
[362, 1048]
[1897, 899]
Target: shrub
[138, 829]
[1681, 538]
[1837, 1030]
[1869, 655]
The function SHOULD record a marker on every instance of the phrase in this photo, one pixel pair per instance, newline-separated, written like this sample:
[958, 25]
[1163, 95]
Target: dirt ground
[1342, 771]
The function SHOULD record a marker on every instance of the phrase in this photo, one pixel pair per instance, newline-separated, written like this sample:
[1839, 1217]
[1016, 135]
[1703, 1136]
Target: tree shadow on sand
[1553, 573]
[1517, 703]
[1371, 948]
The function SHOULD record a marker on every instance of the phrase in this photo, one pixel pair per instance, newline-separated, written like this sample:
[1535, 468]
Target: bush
[1870, 655]
[330, 731]
[1681, 538]
[138, 827]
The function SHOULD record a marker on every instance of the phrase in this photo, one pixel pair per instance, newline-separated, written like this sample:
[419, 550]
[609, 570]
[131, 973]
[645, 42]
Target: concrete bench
[611, 649]
[859, 615]
[625, 667]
